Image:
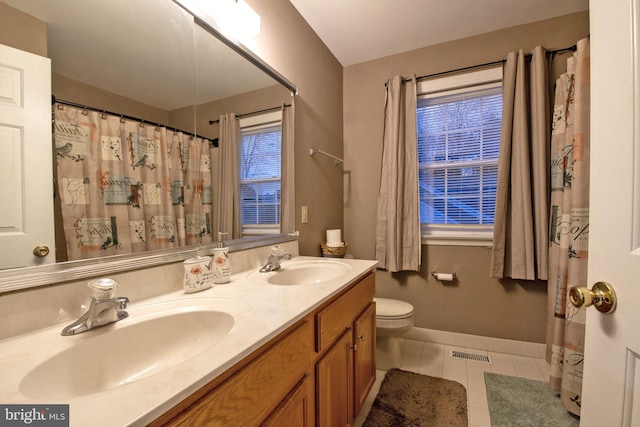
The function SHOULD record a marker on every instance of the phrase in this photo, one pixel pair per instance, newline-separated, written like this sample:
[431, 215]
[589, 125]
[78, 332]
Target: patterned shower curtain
[127, 186]
[569, 227]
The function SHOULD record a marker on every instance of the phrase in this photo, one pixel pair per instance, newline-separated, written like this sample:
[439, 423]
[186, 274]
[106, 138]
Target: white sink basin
[305, 272]
[152, 339]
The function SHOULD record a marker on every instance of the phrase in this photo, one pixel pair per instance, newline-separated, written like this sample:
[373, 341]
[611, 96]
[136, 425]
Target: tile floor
[433, 359]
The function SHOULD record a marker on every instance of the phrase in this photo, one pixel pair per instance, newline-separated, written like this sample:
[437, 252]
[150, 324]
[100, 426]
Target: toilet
[394, 318]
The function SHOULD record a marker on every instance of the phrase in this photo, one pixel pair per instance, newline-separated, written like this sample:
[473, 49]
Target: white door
[26, 183]
[611, 385]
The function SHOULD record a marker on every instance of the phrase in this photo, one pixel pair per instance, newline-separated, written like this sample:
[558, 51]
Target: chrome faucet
[104, 308]
[276, 257]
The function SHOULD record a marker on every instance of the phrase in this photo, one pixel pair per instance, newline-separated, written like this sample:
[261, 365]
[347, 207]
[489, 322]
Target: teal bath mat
[519, 402]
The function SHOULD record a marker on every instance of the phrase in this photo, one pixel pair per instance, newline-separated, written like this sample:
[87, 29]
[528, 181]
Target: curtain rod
[124, 116]
[254, 112]
[551, 53]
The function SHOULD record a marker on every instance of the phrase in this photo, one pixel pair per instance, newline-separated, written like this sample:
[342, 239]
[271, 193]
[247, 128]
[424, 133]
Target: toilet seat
[392, 309]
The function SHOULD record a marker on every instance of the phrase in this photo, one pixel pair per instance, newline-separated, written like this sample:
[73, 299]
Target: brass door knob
[601, 296]
[41, 251]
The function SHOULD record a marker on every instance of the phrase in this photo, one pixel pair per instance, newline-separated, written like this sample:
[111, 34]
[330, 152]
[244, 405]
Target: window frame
[253, 123]
[458, 234]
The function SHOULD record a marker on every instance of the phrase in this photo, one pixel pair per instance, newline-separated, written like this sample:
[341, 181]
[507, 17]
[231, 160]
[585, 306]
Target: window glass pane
[458, 144]
[462, 210]
[432, 210]
[260, 203]
[260, 154]
[431, 148]
[463, 181]
[489, 187]
[260, 162]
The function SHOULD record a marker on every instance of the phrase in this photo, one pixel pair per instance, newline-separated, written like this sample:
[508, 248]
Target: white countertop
[273, 309]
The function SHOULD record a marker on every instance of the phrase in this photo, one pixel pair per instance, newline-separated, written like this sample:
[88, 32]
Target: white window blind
[458, 145]
[260, 162]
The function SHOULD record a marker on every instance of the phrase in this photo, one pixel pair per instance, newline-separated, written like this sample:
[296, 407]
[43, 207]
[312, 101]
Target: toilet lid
[387, 308]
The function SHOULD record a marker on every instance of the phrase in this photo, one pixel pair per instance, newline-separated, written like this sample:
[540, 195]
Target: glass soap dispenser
[221, 264]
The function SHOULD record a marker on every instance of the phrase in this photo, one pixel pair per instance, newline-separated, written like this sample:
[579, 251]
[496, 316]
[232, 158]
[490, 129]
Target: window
[260, 160]
[458, 121]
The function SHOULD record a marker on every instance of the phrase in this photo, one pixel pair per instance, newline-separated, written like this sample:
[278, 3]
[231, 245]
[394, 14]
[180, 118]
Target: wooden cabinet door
[334, 377]
[297, 408]
[364, 337]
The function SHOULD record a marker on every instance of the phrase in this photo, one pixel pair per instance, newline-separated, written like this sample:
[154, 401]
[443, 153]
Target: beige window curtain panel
[398, 216]
[287, 187]
[227, 205]
[569, 234]
[520, 240]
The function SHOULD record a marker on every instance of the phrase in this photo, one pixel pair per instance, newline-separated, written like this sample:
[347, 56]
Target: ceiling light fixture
[235, 18]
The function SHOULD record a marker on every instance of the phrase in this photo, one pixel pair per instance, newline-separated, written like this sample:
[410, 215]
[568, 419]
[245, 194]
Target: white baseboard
[498, 345]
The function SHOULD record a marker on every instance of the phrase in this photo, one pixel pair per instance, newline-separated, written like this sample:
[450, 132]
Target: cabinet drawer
[338, 316]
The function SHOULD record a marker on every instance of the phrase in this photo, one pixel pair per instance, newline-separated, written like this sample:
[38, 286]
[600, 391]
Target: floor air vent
[482, 358]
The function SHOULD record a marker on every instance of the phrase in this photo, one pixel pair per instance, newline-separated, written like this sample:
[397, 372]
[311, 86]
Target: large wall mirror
[146, 59]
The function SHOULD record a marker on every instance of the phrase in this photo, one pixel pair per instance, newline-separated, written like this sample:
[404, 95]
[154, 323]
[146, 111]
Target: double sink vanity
[290, 347]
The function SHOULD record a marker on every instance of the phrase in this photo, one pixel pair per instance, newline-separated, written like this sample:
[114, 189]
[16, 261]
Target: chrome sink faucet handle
[105, 308]
[122, 302]
[276, 257]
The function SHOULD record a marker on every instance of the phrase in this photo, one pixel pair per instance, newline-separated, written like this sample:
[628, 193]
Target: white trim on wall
[498, 345]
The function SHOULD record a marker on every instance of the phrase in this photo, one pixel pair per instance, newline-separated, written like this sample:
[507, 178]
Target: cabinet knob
[353, 347]
[361, 337]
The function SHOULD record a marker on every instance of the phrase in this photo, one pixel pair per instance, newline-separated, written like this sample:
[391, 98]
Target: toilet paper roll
[334, 237]
[444, 277]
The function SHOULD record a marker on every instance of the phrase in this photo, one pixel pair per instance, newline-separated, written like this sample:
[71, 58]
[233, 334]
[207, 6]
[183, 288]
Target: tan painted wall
[22, 31]
[256, 100]
[72, 90]
[475, 304]
[287, 43]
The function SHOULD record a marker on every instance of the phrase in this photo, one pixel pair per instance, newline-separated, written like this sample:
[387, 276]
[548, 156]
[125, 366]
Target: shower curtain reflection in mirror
[127, 186]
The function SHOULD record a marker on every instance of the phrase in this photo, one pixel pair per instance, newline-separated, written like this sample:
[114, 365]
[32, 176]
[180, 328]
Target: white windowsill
[455, 236]
[456, 241]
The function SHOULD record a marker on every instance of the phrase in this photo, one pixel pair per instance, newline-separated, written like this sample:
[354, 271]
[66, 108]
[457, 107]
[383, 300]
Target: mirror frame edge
[17, 279]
